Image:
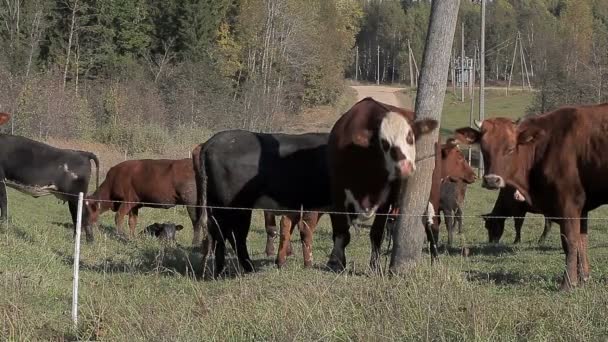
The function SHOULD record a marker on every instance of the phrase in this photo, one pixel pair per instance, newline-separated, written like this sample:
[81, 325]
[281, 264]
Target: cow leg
[270, 224]
[133, 220]
[570, 233]
[197, 226]
[584, 259]
[459, 219]
[119, 219]
[215, 225]
[375, 235]
[543, 236]
[341, 238]
[449, 224]
[286, 224]
[307, 228]
[519, 222]
[241, 222]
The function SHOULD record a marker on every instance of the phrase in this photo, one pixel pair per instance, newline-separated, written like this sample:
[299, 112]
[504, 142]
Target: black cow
[163, 231]
[39, 169]
[242, 169]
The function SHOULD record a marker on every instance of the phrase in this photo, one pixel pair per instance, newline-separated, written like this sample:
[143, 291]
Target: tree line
[564, 44]
[141, 74]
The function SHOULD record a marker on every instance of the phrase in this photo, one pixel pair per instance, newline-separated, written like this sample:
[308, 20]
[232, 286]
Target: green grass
[144, 290]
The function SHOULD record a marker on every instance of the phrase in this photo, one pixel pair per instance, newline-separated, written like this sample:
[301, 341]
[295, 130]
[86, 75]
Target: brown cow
[450, 166]
[307, 224]
[161, 183]
[371, 150]
[4, 118]
[557, 161]
[507, 206]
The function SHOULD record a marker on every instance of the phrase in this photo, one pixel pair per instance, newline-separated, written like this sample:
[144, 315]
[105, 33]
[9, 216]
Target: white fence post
[76, 262]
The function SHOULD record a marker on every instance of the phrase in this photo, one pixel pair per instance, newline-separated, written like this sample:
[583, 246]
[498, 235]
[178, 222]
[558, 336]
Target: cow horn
[478, 123]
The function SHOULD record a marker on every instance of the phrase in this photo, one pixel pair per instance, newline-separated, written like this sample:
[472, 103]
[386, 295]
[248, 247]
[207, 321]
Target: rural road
[383, 94]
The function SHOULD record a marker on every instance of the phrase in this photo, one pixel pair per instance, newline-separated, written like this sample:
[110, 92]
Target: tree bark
[408, 236]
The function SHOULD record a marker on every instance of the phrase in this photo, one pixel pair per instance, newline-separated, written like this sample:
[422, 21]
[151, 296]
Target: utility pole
[482, 74]
[378, 67]
[357, 64]
[462, 63]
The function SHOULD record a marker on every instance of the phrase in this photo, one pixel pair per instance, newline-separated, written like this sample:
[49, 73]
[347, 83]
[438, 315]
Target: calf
[246, 170]
[451, 200]
[507, 206]
[38, 169]
[307, 224]
[557, 161]
[134, 184]
[163, 231]
[450, 166]
[371, 150]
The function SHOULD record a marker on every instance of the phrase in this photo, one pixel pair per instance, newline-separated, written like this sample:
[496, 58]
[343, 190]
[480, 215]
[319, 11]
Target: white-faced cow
[153, 183]
[246, 170]
[39, 169]
[558, 162]
[371, 150]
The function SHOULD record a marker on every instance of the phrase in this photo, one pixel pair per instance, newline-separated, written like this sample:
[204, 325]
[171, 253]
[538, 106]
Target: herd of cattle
[552, 164]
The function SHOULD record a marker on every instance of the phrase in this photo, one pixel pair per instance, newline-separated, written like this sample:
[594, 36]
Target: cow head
[505, 151]
[454, 167]
[397, 140]
[93, 209]
[495, 227]
[4, 117]
[163, 231]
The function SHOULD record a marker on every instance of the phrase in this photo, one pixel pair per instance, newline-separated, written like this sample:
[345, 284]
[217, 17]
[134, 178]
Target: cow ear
[179, 227]
[362, 137]
[467, 135]
[529, 135]
[424, 126]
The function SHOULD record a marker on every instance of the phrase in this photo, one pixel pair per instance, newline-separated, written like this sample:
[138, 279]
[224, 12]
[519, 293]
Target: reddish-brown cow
[371, 150]
[134, 184]
[4, 118]
[450, 165]
[557, 161]
[507, 206]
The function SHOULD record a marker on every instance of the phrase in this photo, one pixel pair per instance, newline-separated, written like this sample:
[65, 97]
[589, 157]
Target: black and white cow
[163, 231]
[39, 169]
[242, 169]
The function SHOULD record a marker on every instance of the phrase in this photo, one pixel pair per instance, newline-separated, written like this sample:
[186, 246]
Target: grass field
[144, 290]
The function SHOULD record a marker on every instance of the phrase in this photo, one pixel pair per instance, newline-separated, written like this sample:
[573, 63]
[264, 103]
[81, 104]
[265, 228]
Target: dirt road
[384, 94]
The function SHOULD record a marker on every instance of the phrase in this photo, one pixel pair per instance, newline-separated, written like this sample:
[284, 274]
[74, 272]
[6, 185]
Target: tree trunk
[69, 48]
[408, 236]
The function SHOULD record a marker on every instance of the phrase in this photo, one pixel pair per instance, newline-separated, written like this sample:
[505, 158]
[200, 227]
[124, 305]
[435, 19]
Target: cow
[4, 118]
[38, 169]
[507, 206]
[238, 171]
[557, 162]
[450, 167]
[163, 231]
[307, 224]
[153, 183]
[371, 150]
[451, 200]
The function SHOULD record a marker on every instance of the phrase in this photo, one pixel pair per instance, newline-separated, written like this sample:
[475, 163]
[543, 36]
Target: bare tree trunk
[34, 39]
[409, 232]
[69, 49]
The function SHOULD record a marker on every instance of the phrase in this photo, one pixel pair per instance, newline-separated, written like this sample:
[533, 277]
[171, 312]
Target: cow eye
[385, 145]
[511, 150]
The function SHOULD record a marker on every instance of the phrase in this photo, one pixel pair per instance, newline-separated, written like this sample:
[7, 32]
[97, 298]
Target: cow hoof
[269, 252]
[280, 263]
[307, 264]
[335, 266]
[567, 285]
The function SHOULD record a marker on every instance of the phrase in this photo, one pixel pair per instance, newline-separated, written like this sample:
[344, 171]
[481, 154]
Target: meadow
[146, 290]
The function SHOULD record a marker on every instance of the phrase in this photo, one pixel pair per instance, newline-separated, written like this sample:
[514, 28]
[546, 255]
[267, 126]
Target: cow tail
[95, 160]
[200, 175]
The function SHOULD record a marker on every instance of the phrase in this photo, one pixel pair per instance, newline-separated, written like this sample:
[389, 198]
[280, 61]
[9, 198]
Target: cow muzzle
[405, 168]
[493, 182]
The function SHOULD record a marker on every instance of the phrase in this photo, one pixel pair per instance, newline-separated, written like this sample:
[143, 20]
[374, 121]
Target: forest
[139, 74]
